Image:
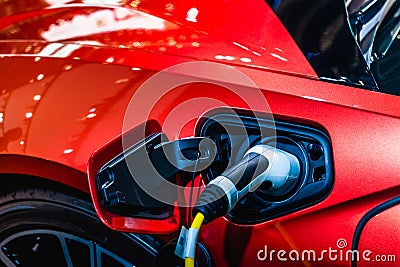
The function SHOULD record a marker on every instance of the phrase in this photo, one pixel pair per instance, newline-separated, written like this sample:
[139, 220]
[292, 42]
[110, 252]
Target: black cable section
[199, 187]
[364, 220]
[191, 190]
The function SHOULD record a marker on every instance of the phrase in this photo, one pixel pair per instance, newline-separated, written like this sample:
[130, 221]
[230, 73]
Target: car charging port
[293, 147]
[309, 144]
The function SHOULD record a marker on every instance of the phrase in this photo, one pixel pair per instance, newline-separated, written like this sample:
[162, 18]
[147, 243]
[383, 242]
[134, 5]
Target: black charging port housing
[154, 162]
[118, 190]
[311, 146]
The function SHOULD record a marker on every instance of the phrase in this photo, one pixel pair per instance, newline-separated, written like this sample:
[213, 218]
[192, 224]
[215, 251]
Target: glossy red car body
[64, 94]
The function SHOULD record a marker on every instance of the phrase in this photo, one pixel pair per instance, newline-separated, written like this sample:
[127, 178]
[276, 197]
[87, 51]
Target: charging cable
[192, 239]
[261, 164]
[365, 219]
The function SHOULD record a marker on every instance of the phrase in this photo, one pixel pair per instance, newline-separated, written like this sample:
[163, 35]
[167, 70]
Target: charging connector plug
[262, 164]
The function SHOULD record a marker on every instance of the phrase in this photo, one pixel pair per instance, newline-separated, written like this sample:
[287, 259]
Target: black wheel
[42, 227]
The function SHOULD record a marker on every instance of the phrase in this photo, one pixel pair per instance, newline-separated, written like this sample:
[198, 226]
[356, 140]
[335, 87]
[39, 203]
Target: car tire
[52, 227]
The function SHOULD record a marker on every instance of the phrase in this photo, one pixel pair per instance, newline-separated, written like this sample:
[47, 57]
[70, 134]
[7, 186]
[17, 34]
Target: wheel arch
[38, 169]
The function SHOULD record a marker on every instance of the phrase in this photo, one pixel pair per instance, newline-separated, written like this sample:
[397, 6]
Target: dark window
[385, 61]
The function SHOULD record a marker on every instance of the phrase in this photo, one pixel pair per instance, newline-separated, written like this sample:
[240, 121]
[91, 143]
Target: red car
[117, 115]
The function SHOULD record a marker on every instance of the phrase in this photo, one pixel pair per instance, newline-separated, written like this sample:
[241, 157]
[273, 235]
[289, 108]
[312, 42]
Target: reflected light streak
[220, 57]
[57, 2]
[91, 115]
[66, 50]
[40, 77]
[50, 49]
[192, 14]
[245, 60]
[313, 98]
[57, 50]
[110, 60]
[241, 46]
[104, 2]
[68, 151]
[278, 57]
[101, 22]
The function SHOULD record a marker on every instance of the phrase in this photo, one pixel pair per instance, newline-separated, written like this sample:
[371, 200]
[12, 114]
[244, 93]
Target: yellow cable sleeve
[189, 262]
[196, 224]
[198, 221]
